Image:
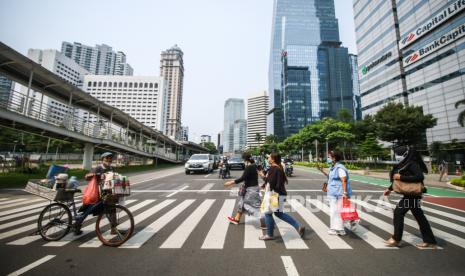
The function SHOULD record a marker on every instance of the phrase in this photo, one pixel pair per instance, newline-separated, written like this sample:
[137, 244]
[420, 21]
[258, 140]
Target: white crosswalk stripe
[441, 213]
[12, 201]
[442, 222]
[290, 236]
[95, 242]
[438, 233]
[3, 199]
[366, 235]
[252, 232]
[21, 202]
[205, 188]
[143, 236]
[24, 211]
[217, 235]
[180, 235]
[333, 242]
[91, 227]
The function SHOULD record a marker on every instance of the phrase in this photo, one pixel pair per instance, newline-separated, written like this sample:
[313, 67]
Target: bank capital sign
[455, 8]
[435, 45]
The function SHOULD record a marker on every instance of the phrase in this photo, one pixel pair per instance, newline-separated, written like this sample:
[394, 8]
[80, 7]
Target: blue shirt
[335, 189]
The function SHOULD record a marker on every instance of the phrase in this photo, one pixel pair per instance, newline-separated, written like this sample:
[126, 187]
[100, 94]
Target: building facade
[184, 133]
[56, 112]
[205, 139]
[309, 72]
[6, 85]
[233, 111]
[240, 136]
[357, 115]
[413, 52]
[257, 110]
[142, 97]
[172, 69]
[98, 59]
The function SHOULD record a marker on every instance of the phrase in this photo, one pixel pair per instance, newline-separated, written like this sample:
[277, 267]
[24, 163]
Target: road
[181, 229]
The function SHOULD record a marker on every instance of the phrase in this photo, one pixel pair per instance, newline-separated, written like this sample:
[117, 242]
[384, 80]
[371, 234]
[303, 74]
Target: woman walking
[338, 188]
[410, 169]
[276, 179]
[249, 192]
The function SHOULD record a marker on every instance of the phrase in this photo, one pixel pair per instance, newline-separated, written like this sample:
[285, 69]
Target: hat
[106, 154]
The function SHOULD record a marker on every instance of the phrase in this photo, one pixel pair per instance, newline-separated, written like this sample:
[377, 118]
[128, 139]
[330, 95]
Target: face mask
[329, 160]
[403, 156]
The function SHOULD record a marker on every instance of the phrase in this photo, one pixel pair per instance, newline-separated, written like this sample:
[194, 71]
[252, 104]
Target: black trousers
[413, 204]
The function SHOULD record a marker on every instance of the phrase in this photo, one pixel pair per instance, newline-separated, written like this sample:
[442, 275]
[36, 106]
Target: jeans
[269, 220]
[412, 204]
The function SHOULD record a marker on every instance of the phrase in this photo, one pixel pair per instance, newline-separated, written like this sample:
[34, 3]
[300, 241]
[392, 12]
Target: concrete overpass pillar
[88, 156]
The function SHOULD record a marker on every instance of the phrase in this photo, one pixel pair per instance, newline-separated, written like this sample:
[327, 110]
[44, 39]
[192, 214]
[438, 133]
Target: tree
[370, 147]
[270, 139]
[461, 116]
[402, 125]
[258, 138]
[435, 150]
[344, 115]
[210, 146]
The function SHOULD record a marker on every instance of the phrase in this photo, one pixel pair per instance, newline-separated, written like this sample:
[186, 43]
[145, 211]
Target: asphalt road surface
[181, 229]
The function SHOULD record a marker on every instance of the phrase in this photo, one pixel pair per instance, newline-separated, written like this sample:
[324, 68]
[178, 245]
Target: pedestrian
[410, 170]
[443, 169]
[276, 179]
[337, 189]
[249, 191]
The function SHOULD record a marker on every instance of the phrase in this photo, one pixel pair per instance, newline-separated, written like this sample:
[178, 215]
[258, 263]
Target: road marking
[3, 199]
[177, 191]
[217, 234]
[143, 236]
[289, 266]
[33, 265]
[21, 203]
[439, 221]
[366, 235]
[95, 242]
[207, 175]
[227, 191]
[252, 232]
[333, 242]
[438, 233]
[439, 205]
[290, 236]
[91, 227]
[27, 219]
[180, 235]
[12, 201]
[19, 211]
[205, 188]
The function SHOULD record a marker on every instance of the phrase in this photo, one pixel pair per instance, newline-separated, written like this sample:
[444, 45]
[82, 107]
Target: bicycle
[58, 218]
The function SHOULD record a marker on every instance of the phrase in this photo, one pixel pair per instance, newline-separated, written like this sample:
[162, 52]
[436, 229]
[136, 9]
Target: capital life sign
[441, 17]
[435, 45]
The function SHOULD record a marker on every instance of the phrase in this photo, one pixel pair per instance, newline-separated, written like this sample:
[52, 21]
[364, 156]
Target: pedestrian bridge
[86, 120]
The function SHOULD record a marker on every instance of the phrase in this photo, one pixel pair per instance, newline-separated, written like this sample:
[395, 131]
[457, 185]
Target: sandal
[266, 238]
[391, 242]
[425, 245]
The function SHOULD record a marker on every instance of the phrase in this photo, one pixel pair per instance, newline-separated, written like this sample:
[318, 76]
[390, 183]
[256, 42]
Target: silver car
[199, 163]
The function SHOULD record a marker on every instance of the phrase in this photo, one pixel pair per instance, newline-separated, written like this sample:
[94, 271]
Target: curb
[452, 186]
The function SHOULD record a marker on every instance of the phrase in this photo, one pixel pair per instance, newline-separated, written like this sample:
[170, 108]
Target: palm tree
[258, 138]
[461, 117]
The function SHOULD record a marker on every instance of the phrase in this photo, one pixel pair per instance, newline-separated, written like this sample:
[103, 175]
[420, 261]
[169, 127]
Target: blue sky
[225, 42]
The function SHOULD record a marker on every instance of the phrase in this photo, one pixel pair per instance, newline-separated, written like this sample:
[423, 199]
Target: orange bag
[91, 193]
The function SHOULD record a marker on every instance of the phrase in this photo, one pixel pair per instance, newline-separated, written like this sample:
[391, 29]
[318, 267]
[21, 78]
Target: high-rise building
[64, 67]
[172, 69]
[257, 110]
[98, 59]
[355, 87]
[413, 52]
[309, 73]
[184, 133]
[6, 85]
[142, 97]
[240, 135]
[220, 140]
[233, 111]
[205, 139]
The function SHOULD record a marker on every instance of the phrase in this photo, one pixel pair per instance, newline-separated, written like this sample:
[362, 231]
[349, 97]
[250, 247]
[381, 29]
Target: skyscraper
[172, 69]
[309, 73]
[205, 138]
[355, 87]
[257, 109]
[240, 135]
[413, 52]
[233, 111]
[184, 133]
[98, 60]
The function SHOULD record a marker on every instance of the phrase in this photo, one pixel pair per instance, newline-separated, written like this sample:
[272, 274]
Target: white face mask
[403, 156]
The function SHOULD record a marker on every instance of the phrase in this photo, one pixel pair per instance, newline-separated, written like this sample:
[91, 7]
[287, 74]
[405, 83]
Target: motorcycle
[288, 169]
[224, 172]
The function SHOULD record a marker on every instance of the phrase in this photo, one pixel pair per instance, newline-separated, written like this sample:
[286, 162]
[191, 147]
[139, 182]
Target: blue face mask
[329, 160]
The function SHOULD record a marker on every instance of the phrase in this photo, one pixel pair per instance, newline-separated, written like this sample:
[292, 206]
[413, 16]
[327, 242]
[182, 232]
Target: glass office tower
[309, 73]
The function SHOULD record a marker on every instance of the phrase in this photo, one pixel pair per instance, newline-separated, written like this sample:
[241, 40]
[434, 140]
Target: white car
[199, 163]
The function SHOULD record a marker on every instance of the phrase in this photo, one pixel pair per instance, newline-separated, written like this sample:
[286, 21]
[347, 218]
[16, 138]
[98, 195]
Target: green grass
[19, 180]
[458, 181]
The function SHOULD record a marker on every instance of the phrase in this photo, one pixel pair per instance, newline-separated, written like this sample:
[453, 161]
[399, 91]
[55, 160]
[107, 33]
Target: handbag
[348, 211]
[242, 190]
[407, 188]
[91, 193]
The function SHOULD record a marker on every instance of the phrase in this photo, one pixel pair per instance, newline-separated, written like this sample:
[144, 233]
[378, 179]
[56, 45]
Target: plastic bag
[348, 211]
[270, 203]
[91, 193]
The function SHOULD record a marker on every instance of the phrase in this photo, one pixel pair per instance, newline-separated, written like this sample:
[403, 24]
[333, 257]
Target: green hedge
[458, 181]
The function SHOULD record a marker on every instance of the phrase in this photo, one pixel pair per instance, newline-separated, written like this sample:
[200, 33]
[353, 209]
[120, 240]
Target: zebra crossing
[18, 218]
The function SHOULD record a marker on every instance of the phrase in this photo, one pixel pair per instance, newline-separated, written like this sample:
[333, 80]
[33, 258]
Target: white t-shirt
[341, 173]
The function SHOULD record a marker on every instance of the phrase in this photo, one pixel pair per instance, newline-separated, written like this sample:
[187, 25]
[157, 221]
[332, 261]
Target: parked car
[199, 163]
[236, 162]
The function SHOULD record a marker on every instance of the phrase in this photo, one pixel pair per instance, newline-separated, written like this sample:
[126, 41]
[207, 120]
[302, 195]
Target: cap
[106, 154]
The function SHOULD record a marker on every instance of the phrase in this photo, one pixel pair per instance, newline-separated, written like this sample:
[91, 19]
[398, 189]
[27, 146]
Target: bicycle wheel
[54, 222]
[115, 225]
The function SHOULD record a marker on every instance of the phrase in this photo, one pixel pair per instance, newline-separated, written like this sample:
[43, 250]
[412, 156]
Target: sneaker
[266, 238]
[233, 220]
[341, 232]
[354, 224]
[301, 231]
[332, 232]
